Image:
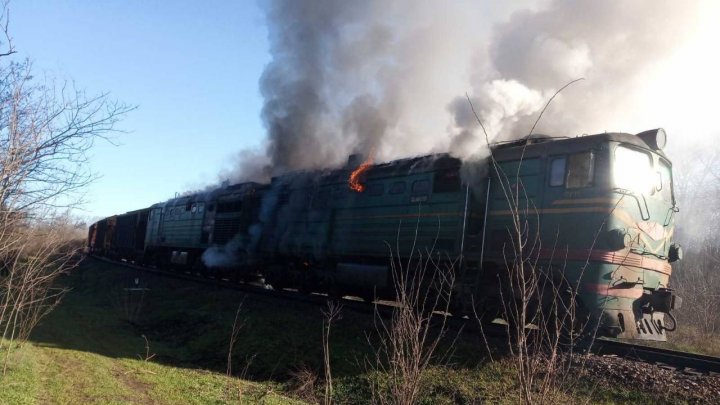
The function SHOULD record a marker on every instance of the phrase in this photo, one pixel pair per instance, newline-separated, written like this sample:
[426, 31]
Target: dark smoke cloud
[391, 77]
[248, 165]
[304, 43]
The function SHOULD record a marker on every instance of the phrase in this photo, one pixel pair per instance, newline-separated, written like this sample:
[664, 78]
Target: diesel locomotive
[598, 210]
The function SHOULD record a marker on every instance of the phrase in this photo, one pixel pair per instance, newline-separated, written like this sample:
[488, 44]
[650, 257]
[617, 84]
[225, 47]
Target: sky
[190, 67]
[216, 82]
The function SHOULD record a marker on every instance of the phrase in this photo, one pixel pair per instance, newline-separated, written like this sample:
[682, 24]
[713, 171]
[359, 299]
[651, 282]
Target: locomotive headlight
[676, 253]
[655, 138]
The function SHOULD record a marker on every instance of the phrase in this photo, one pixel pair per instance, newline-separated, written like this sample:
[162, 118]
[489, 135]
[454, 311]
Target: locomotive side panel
[345, 238]
[416, 203]
[182, 223]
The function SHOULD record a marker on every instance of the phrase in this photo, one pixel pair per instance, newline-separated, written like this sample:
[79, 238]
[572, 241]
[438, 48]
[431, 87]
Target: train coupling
[660, 300]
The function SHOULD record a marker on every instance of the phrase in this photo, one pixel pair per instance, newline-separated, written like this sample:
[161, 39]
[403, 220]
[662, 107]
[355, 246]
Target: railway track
[675, 360]
[357, 305]
[691, 363]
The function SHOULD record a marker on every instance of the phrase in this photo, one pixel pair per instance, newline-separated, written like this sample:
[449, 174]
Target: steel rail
[382, 307]
[692, 363]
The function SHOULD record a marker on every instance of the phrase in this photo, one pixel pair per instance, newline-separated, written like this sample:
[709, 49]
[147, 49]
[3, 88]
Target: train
[596, 212]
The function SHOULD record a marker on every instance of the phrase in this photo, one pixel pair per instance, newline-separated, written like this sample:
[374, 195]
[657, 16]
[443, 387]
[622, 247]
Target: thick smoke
[392, 77]
[613, 44]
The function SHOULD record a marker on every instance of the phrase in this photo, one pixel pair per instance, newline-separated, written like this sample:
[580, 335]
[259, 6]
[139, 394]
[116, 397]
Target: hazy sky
[191, 67]
[195, 68]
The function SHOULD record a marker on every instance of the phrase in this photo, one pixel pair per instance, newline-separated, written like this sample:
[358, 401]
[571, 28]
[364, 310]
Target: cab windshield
[634, 171]
[665, 171]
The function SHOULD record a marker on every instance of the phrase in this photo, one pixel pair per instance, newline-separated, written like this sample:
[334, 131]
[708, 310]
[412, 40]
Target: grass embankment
[93, 349]
[90, 350]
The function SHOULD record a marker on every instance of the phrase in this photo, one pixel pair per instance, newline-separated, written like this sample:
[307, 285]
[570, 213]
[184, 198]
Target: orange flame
[354, 180]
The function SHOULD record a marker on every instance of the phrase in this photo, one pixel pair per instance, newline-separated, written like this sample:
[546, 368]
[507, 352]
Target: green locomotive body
[595, 213]
[325, 234]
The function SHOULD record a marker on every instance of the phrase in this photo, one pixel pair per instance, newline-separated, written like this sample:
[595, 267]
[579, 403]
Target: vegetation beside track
[692, 339]
[93, 349]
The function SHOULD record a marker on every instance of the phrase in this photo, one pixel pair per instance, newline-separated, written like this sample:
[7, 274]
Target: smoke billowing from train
[392, 76]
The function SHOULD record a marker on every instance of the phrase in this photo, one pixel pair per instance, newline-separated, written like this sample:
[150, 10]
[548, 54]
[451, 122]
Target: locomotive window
[557, 171]
[665, 181]
[447, 181]
[632, 170]
[397, 188]
[581, 168]
[375, 189]
[420, 187]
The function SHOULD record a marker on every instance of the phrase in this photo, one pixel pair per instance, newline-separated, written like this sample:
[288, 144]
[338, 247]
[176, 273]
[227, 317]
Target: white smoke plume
[613, 44]
[224, 256]
[392, 77]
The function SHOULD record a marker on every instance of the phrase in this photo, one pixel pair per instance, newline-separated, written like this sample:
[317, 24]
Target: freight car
[595, 212]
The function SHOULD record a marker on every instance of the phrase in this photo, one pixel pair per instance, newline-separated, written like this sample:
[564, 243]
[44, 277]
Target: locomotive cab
[598, 211]
[642, 182]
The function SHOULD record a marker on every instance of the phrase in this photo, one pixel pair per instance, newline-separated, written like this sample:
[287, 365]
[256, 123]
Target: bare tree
[409, 342]
[533, 293]
[46, 130]
[697, 171]
[330, 315]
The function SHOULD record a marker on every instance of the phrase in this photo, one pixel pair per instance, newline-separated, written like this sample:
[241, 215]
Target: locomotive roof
[541, 144]
[532, 145]
[230, 191]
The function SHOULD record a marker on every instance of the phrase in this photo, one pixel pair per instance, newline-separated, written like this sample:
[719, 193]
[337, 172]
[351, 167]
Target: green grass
[44, 375]
[92, 350]
[86, 352]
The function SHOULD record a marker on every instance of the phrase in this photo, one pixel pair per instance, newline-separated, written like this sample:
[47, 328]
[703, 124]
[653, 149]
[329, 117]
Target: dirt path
[71, 377]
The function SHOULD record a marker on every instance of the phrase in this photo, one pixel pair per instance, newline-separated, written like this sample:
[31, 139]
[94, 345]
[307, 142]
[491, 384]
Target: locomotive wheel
[335, 293]
[458, 308]
[304, 286]
[368, 297]
[198, 267]
[277, 285]
[563, 318]
[487, 314]
[274, 276]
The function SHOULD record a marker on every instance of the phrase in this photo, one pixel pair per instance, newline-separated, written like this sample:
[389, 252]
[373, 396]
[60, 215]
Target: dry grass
[692, 339]
[409, 343]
